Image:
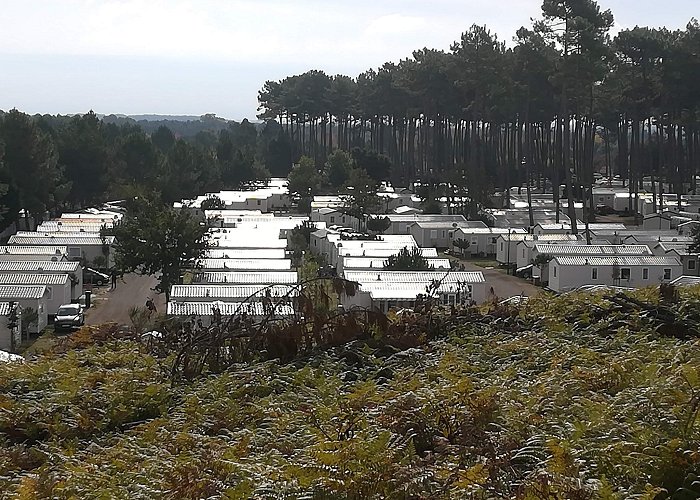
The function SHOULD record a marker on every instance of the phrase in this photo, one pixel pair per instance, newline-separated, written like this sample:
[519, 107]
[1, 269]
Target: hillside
[577, 396]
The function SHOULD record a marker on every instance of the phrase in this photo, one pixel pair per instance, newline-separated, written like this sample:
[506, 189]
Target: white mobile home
[72, 269]
[23, 252]
[367, 263]
[334, 216]
[568, 273]
[58, 287]
[88, 246]
[231, 293]
[573, 250]
[401, 223]
[208, 310]
[680, 250]
[482, 240]
[9, 338]
[507, 244]
[28, 296]
[247, 277]
[657, 222]
[245, 264]
[385, 290]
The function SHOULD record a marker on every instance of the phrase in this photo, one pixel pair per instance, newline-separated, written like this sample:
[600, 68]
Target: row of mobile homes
[71, 269]
[245, 272]
[506, 244]
[86, 247]
[59, 288]
[572, 272]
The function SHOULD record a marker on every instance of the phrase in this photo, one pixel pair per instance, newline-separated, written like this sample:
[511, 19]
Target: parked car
[69, 316]
[94, 277]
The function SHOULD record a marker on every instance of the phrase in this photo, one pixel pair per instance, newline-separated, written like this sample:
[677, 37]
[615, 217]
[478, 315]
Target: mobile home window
[332, 219]
[594, 273]
[667, 273]
[625, 273]
[555, 271]
[501, 246]
[691, 264]
[645, 274]
[433, 234]
[74, 252]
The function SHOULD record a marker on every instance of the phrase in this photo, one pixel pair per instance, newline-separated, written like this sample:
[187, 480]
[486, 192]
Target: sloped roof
[245, 253]
[33, 250]
[43, 266]
[592, 249]
[33, 279]
[643, 260]
[415, 276]
[226, 308]
[184, 292]
[20, 292]
[248, 277]
[252, 264]
[378, 263]
[59, 239]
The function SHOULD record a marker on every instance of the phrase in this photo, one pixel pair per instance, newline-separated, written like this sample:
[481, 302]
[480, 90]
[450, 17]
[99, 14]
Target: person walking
[113, 277]
[151, 306]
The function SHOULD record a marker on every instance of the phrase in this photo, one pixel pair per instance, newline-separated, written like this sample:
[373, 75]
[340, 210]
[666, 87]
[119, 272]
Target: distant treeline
[55, 163]
[563, 102]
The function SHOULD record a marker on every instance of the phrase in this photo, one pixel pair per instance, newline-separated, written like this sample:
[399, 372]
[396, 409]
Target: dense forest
[561, 102]
[55, 163]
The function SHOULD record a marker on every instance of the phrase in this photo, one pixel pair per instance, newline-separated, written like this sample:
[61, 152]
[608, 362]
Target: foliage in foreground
[579, 396]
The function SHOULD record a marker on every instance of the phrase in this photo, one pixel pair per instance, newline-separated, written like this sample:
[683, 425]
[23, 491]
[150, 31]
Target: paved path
[504, 286]
[114, 305]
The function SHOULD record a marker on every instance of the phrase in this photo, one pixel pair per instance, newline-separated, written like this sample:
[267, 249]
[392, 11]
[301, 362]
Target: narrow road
[113, 305]
[504, 285]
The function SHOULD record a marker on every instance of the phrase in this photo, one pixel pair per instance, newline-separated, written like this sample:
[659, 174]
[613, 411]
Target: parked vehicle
[94, 277]
[69, 316]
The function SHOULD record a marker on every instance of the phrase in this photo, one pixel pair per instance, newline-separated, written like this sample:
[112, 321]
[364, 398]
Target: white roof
[425, 218]
[679, 247]
[184, 292]
[381, 252]
[643, 260]
[601, 250]
[491, 230]
[42, 266]
[33, 250]
[245, 253]
[540, 237]
[33, 279]
[226, 308]
[19, 292]
[252, 264]
[364, 277]
[405, 291]
[449, 224]
[686, 281]
[378, 263]
[246, 239]
[58, 239]
[248, 277]
[59, 226]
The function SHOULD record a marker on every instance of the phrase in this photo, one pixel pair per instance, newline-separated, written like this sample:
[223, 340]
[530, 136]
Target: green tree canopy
[407, 260]
[156, 239]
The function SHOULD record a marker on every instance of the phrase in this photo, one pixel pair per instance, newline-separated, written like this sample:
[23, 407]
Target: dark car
[69, 316]
[94, 277]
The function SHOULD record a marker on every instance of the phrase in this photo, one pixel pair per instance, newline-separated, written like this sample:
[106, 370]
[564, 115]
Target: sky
[191, 57]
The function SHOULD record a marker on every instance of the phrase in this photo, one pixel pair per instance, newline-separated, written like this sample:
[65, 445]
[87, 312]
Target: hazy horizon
[180, 57]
